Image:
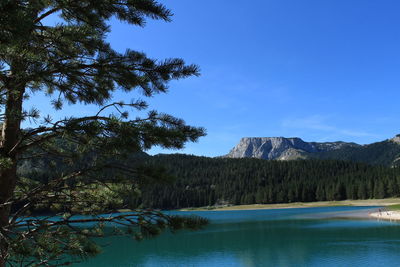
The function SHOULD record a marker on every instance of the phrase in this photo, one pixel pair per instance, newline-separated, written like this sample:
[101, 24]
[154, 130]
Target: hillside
[280, 148]
[382, 153]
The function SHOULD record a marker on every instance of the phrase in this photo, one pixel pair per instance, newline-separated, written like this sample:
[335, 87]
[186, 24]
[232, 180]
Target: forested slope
[202, 181]
[379, 153]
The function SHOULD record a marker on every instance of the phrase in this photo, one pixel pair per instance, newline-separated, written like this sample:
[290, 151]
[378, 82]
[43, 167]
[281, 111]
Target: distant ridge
[281, 148]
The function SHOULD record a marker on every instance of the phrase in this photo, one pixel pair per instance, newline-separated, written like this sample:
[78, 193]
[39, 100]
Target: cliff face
[281, 148]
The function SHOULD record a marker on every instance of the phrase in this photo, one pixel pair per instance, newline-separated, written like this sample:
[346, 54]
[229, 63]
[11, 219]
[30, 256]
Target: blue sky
[319, 70]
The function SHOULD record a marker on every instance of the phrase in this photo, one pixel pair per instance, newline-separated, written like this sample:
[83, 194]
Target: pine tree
[71, 62]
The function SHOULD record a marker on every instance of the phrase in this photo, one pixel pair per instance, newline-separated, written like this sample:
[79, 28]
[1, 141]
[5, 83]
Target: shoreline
[367, 202]
[388, 215]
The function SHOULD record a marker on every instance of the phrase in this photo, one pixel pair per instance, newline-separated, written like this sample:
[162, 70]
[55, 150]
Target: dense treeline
[202, 181]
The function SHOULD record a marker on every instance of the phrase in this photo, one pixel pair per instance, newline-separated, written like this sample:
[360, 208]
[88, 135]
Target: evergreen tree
[320, 193]
[261, 181]
[71, 62]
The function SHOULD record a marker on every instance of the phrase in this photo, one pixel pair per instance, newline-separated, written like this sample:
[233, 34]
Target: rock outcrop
[281, 148]
[395, 139]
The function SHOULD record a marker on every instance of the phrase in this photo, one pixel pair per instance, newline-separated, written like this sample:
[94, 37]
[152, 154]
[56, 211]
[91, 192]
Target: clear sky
[319, 70]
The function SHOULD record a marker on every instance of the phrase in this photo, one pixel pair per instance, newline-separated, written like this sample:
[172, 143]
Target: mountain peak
[280, 148]
[270, 148]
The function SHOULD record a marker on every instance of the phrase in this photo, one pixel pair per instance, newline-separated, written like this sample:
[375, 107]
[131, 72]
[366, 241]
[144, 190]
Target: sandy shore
[366, 202]
[386, 215]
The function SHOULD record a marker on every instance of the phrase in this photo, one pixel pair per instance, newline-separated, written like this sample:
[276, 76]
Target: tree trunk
[8, 169]
[7, 185]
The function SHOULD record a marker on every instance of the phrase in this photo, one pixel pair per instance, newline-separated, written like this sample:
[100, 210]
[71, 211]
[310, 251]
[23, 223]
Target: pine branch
[46, 14]
[73, 61]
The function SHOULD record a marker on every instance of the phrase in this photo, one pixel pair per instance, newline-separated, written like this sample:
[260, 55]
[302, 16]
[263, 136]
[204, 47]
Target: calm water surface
[282, 237]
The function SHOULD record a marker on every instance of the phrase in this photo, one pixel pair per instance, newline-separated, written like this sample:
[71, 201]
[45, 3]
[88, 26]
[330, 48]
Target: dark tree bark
[8, 173]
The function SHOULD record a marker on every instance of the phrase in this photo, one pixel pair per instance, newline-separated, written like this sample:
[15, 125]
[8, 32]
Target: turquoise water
[282, 237]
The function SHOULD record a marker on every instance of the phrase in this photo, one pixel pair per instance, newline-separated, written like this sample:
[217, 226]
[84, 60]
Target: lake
[326, 236]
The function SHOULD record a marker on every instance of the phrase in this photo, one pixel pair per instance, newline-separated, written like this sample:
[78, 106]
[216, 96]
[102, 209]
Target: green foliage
[5, 163]
[75, 164]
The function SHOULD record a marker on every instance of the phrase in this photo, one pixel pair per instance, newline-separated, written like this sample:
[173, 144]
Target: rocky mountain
[280, 148]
